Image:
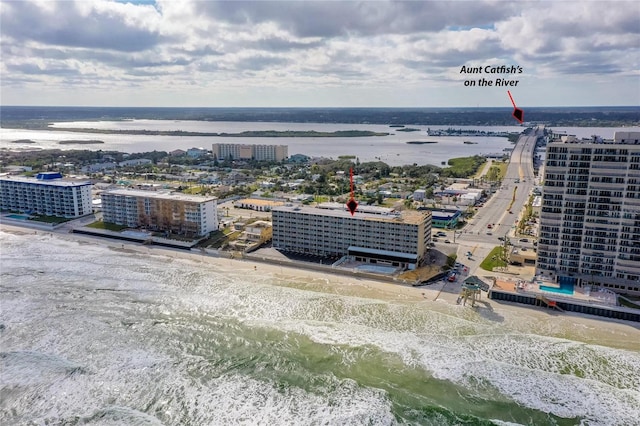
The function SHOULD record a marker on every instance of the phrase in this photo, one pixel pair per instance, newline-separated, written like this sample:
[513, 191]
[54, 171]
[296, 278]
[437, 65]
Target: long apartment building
[188, 215]
[398, 239]
[46, 194]
[223, 151]
[590, 213]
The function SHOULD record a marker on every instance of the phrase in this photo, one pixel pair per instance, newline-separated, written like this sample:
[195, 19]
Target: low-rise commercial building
[196, 152]
[398, 239]
[445, 219]
[522, 256]
[419, 194]
[46, 194]
[299, 158]
[258, 232]
[183, 214]
[135, 162]
[257, 204]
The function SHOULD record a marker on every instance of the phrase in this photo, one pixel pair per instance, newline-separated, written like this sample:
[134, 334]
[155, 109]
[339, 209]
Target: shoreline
[245, 134]
[513, 317]
[230, 265]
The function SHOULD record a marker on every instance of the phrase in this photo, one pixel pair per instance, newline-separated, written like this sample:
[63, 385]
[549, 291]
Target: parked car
[524, 240]
[447, 241]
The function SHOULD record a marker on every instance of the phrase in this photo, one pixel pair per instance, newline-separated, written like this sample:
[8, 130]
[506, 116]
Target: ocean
[92, 334]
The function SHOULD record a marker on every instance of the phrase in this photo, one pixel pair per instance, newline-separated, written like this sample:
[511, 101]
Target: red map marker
[352, 204]
[518, 114]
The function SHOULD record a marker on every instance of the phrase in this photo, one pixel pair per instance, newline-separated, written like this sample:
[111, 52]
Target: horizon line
[320, 107]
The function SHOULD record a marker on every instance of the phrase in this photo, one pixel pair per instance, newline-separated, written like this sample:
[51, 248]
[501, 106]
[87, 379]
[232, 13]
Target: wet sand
[516, 318]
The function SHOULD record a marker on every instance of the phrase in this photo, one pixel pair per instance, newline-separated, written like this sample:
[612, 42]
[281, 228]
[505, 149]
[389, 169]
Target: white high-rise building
[46, 194]
[397, 239]
[590, 215]
[223, 151]
[180, 213]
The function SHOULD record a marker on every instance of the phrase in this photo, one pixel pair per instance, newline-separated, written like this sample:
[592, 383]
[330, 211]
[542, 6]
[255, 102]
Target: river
[391, 149]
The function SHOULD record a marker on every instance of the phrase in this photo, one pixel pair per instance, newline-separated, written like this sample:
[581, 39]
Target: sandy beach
[119, 326]
[518, 318]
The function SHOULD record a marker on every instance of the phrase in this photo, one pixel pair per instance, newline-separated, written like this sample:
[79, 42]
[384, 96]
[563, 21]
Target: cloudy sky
[317, 53]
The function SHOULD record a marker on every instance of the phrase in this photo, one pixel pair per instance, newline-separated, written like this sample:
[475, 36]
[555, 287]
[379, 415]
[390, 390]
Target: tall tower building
[590, 217]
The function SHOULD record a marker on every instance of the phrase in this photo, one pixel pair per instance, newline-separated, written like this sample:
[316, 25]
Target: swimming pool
[564, 288]
[18, 216]
[378, 269]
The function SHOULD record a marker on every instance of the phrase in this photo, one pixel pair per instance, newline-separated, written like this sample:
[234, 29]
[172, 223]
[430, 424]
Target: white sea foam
[116, 348]
[242, 400]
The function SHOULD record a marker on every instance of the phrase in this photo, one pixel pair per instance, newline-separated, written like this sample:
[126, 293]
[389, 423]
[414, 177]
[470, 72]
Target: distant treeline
[39, 117]
[303, 134]
[246, 134]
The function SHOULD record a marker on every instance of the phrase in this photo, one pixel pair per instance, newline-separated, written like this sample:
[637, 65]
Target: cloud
[356, 18]
[102, 25]
[278, 44]
[258, 62]
[305, 46]
[34, 69]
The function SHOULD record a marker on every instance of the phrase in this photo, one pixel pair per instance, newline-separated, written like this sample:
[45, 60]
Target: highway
[496, 210]
[519, 178]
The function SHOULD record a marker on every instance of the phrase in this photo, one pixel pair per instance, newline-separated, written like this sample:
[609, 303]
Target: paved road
[473, 238]
[496, 210]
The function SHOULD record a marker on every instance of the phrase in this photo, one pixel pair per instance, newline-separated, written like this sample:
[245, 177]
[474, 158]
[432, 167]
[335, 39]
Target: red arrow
[518, 114]
[352, 204]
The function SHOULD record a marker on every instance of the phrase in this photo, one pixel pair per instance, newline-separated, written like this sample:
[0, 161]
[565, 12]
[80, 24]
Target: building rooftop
[361, 208]
[161, 195]
[619, 138]
[407, 216]
[458, 186]
[260, 224]
[49, 182]
[259, 202]
[439, 214]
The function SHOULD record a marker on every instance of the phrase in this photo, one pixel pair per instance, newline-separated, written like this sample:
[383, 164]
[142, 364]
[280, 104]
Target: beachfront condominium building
[590, 214]
[397, 239]
[183, 214]
[46, 194]
[224, 151]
